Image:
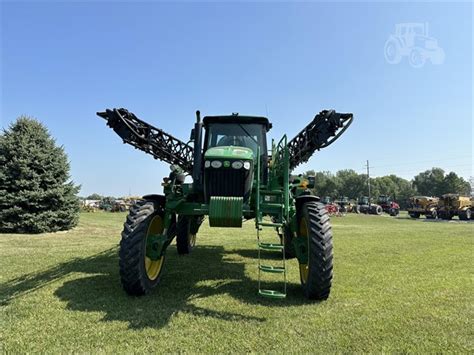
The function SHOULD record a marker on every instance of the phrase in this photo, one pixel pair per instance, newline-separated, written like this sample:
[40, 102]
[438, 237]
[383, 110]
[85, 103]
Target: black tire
[377, 210]
[316, 275]
[432, 214]
[465, 215]
[186, 231]
[414, 214]
[141, 221]
[394, 212]
[444, 215]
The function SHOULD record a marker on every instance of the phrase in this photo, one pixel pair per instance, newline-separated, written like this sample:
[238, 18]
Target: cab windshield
[248, 135]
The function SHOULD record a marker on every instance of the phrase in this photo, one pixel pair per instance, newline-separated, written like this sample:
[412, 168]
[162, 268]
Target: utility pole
[368, 179]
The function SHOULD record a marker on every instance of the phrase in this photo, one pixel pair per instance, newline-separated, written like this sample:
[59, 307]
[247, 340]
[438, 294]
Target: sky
[63, 62]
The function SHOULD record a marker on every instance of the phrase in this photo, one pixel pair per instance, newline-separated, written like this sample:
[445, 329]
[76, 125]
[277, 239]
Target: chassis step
[270, 224]
[273, 269]
[270, 246]
[271, 294]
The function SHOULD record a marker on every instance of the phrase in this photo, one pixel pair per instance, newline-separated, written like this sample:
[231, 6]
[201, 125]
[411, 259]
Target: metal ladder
[271, 269]
[279, 209]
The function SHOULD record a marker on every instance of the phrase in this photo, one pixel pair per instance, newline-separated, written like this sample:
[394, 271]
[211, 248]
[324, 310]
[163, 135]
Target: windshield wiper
[248, 134]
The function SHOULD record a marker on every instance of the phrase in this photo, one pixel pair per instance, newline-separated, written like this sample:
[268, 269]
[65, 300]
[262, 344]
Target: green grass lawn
[399, 285]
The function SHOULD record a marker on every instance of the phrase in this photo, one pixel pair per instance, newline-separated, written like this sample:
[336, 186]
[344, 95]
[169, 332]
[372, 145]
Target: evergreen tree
[36, 195]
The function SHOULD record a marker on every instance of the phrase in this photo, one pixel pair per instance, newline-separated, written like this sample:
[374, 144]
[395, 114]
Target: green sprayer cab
[234, 178]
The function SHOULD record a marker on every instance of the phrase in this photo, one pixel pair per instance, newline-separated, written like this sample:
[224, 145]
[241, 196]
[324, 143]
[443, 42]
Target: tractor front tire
[414, 214]
[316, 274]
[186, 231]
[138, 273]
[445, 215]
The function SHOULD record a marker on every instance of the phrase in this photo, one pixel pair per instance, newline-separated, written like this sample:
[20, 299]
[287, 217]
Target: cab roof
[236, 118]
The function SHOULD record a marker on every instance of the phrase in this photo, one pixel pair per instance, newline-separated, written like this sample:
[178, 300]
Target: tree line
[347, 182]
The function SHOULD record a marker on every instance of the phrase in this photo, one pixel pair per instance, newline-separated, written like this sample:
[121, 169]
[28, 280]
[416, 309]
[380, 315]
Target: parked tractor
[423, 205]
[365, 206]
[345, 206]
[330, 206]
[451, 205]
[233, 179]
[388, 205]
[413, 40]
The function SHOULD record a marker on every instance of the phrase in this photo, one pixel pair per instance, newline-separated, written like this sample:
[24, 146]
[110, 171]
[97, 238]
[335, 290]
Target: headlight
[237, 164]
[216, 164]
[247, 165]
[207, 164]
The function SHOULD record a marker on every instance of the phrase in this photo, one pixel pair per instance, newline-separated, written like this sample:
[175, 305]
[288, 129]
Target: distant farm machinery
[450, 205]
[389, 205]
[423, 205]
[365, 206]
[446, 207]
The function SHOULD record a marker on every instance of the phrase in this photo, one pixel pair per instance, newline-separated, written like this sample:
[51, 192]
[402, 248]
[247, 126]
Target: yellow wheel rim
[303, 233]
[153, 267]
[192, 240]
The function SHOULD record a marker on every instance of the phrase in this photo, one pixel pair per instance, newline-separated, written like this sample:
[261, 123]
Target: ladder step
[270, 246]
[270, 224]
[271, 294]
[274, 269]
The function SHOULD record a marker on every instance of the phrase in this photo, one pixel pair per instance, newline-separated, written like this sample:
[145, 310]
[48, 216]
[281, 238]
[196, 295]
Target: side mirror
[311, 182]
[191, 137]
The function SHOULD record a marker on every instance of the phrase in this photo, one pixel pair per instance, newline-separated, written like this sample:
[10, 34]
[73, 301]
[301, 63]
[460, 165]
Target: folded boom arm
[326, 127]
[149, 139]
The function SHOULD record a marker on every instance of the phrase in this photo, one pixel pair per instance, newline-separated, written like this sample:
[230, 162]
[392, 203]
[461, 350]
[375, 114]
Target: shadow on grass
[207, 272]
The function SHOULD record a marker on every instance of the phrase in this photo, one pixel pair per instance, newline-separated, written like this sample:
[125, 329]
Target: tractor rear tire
[316, 274]
[138, 273]
[377, 210]
[186, 230]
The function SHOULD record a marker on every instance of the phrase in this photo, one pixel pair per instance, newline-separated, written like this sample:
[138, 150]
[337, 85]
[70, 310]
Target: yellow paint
[153, 267]
[303, 233]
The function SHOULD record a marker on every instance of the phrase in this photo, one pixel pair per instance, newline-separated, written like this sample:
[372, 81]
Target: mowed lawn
[400, 285]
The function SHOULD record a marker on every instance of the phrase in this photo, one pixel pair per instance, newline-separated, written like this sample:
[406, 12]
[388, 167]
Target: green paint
[301, 249]
[156, 245]
[225, 211]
